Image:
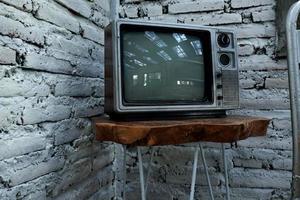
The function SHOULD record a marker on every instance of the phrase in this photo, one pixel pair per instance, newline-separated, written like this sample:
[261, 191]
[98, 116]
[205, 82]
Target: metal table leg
[149, 168]
[143, 181]
[196, 154]
[225, 172]
[192, 193]
[124, 172]
[206, 173]
[141, 171]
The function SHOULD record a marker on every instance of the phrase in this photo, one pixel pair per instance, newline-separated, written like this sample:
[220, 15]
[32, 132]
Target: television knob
[219, 86]
[224, 59]
[223, 40]
[219, 75]
[219, 97]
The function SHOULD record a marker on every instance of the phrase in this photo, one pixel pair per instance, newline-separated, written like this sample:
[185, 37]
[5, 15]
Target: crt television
[160, 69]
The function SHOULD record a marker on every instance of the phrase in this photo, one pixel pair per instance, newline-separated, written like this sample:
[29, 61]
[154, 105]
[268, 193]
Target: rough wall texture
[259, 168]
[51, 84]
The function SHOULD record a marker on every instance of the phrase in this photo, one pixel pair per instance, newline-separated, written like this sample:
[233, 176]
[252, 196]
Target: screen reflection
[161, 66]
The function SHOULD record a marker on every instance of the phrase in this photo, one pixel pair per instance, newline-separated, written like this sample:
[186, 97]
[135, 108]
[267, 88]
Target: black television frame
[207, 49]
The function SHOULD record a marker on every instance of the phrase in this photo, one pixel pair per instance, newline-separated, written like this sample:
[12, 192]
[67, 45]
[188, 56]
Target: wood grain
[165, 132]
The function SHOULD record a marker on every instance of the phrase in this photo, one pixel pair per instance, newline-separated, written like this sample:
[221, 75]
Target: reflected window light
[145, 79]
[140, 48]
[160, 43]
[129, 66]
[179, 37]
[197, 47]
[180, 82]
[155, 39]
[155, 76]
[129, 54]
[139, 63]
[151, 35]
[135, 78]
[149, 59]
[179, 51]
[164, 55]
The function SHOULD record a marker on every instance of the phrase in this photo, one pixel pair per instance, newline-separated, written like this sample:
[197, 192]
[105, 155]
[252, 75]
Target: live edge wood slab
[167, 132]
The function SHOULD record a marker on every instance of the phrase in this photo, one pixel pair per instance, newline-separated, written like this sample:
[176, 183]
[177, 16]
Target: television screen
[165, 66]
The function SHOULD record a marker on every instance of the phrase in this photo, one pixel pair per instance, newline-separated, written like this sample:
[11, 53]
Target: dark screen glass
[163, 67]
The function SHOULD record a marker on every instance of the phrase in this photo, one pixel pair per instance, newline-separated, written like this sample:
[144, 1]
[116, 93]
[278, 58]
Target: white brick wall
[260, 168]
[51, 85]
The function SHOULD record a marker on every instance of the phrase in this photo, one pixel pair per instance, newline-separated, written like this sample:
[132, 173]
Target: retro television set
[156, 69]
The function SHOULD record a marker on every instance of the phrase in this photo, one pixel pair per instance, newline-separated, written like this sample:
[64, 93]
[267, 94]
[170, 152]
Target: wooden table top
[169, 132]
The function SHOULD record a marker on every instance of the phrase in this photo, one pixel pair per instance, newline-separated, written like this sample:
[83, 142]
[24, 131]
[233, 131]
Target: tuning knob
[223, 40]
[224, 59]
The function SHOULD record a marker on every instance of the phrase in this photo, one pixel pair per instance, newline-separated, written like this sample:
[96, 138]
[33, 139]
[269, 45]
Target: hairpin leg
[141, 170]
[124, 172]
[149, 168]
[206, 172]
[196, 154]
[226, 172]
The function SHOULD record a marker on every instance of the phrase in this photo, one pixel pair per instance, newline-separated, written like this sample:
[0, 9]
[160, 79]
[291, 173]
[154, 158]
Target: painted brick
[277, 83]
[63, 41]
[277, 104]
[92, 32]
[81, 191]
[73, 174]
[245, 49]
[100, 163]
[283, 164]
[47, 109]
[264, 15]
[7, 56]
[25, 5]
[104, 4]
[47, 63]
[88, 107]
[80, 6]
[23, 84]
[81, 87]
[216, 19]
[34, 171]
[100, 19]
[261, 62]
[56, 14]
[250, 3]
[131, 11]
[260, 178]
[68, 130]
[255, 30]
[46, 57]
[25, 145]
[16, 29]
[196, 6]
[61, 47]
[152, 10]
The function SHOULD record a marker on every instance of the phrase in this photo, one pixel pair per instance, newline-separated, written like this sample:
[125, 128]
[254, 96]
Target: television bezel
[203, 35]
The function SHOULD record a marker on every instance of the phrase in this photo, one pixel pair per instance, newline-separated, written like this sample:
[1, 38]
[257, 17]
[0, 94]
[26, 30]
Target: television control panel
[227, 87]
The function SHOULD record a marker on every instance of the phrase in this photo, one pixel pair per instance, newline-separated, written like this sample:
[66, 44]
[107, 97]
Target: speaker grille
[230, 84]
